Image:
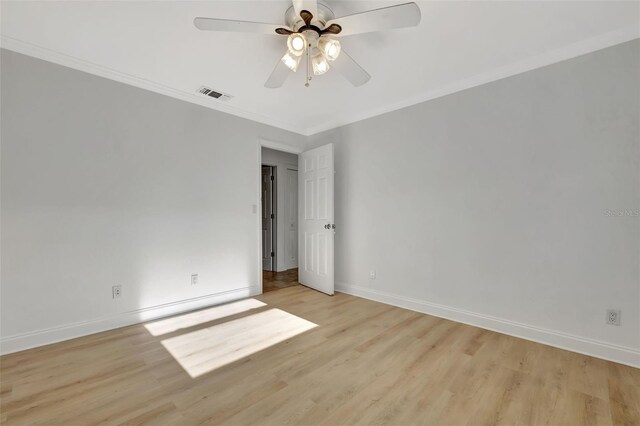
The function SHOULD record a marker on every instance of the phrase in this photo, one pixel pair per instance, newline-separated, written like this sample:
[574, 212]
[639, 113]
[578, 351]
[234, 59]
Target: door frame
[279, 146]
[286, 196]
[274, 219]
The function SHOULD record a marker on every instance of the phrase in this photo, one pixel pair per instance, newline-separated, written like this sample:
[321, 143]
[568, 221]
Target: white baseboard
[22, 341]
[595, 348]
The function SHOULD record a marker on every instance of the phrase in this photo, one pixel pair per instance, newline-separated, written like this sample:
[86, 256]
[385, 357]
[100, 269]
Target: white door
[316, 227]
[268, 251]
[291, 219]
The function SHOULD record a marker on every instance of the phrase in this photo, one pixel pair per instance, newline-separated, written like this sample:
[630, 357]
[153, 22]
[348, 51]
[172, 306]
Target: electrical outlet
[613, 316]
[116, 291]
[372, 274]
[194, 279]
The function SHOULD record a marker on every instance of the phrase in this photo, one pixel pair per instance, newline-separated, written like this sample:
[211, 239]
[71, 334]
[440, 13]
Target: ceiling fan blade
[350, 69]
[386, 18]
[278, 75]
[310, 5]
[213, 24]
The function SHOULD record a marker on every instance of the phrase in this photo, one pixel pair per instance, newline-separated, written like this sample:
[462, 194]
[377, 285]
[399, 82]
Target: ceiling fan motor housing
[312, 38]
[295, 22]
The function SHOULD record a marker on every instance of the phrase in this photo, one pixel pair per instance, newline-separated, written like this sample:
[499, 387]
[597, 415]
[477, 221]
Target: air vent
[213, 94]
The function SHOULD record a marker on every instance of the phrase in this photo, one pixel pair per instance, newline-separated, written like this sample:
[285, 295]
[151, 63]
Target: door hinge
[272, 178]
[272, 216]
[272, 254]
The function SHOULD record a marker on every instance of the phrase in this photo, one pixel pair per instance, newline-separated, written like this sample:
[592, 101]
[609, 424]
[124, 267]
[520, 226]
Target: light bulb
[291, 61]
[329, 47]
[296, 44]
[320, 64]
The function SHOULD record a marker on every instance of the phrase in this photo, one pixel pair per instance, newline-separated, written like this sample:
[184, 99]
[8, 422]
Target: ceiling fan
[312, 33]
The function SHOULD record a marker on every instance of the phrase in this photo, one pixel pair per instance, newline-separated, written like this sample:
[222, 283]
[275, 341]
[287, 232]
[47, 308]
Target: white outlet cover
[372, 274]
[194, 279]
[613, 316]
[116, 291]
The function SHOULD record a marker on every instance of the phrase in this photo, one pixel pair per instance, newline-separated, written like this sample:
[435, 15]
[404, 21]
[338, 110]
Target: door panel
[322, 197]
[308, 197]
[316, 230]
[308, 252]
[323, 255]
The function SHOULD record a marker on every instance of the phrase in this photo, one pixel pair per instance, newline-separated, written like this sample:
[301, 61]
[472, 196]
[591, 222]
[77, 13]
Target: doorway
[279, 194]
[269, 239]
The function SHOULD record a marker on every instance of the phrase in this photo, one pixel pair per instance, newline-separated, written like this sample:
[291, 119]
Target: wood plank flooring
[277, 280]
[332, 360]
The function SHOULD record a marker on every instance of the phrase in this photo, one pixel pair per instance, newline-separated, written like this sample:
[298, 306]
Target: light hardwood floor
[364, 363]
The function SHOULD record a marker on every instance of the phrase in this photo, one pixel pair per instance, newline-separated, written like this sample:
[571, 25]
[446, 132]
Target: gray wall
[502, 200]
[105, 184]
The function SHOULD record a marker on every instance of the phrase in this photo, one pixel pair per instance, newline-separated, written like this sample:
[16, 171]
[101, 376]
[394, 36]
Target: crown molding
[49, 55]
[550, 57]
[553, 56]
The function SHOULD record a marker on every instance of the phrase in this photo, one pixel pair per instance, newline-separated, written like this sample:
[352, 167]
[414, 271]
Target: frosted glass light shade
[329, 47]
[296, 43]
[291, 61]
[320, 64]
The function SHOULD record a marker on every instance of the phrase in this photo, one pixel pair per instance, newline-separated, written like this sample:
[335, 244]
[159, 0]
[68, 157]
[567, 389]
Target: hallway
[276, 280]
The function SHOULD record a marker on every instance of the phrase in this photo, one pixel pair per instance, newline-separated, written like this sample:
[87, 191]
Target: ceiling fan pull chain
[308, 66]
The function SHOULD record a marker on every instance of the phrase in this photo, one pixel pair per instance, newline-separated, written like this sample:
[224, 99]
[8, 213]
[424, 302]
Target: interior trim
[279, 146]
[32, 339]
[547, 58]
[49, 55]
[567, 52]
[558, 339]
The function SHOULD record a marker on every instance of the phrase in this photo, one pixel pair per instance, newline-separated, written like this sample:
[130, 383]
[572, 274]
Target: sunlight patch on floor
[202, 351]
[169, 325]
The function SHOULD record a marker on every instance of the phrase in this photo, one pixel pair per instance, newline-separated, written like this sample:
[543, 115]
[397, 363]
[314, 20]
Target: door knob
[327, 226]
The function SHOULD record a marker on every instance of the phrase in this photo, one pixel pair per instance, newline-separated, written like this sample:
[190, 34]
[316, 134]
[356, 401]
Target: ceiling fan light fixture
[310, 27]
[296, 44]
[320, 64]
[291, 61]
[329, 47]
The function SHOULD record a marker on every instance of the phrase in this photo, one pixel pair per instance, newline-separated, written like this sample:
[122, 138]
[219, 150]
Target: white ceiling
[154, 45]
